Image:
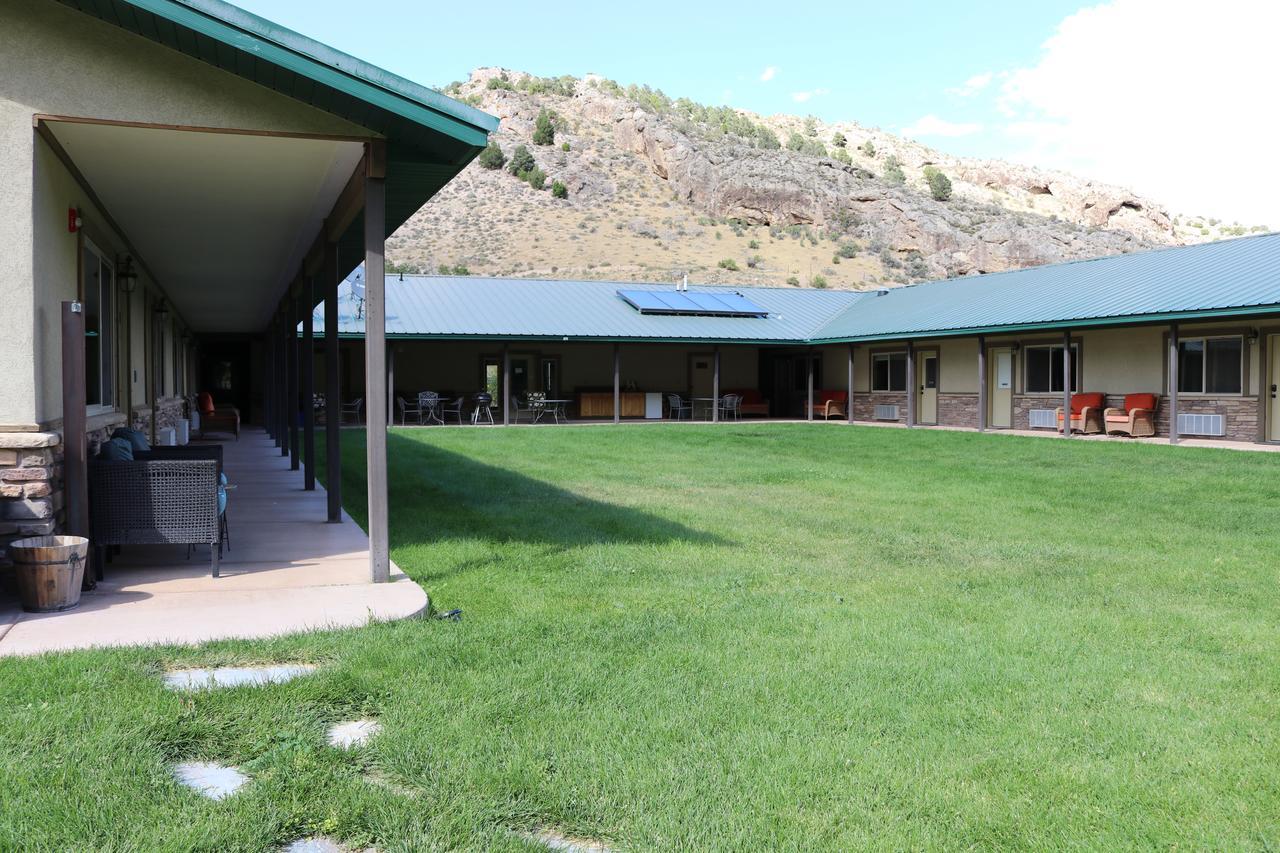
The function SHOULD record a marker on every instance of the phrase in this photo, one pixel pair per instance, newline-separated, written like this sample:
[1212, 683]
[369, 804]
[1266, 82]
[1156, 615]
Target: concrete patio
[287, 571]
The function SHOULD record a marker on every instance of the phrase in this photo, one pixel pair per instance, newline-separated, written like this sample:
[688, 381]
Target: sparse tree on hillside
[842, 156]
[839, 140]
[810, 126]
[492, 157]
[767, 139]
[795, 142]
[544, 132]
[521, 162]
[893, 174]
[868, 148]
[939, 184]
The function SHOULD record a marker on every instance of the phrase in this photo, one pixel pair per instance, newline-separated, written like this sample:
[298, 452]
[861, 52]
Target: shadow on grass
[438, 495]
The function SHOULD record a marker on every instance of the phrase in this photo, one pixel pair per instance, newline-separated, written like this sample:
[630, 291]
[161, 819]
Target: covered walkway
[288, 570]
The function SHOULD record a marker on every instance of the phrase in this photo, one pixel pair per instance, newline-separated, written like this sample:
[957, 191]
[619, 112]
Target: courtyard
[759, 635]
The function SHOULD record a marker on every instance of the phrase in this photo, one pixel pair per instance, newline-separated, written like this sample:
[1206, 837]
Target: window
[99, 320]
[1044, 369]
[889, 371]
[1211, 365]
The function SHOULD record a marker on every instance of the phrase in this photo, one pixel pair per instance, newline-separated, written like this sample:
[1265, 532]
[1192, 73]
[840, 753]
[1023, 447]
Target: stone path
[234, 676]
[215, 781]
[353, 734]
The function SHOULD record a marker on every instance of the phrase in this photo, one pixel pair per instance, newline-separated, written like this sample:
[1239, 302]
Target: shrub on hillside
[728, 264]
[842, 156]
[793, 281]
[767, 139]
[500, 83]
[564, 146]
[559, 190]
[795, 142]
[939, 184]
[492, 157]
[536, 178]
[893, 174]
[839, 140]
[818, 281]
[521, 162]
[868, 148]
[544, 132]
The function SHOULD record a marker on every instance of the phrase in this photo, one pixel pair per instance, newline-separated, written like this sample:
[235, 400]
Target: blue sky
[1054, 83]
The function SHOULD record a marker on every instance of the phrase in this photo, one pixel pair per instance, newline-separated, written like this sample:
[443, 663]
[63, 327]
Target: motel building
[190, 197]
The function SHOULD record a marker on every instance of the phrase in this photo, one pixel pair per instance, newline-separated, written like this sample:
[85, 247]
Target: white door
[1000, 388]
[1273, 398]
[927, 366]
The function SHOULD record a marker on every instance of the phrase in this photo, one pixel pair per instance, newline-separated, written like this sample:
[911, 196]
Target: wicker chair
[217, 418]
[1086, 412]
[1136, 418]
[156, 502]
[827, 404]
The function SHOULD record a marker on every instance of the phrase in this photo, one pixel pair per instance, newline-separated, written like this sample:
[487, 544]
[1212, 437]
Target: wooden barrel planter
[50, 570]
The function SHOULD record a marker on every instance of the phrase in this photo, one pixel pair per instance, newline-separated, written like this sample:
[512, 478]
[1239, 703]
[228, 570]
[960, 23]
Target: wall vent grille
[1200, 424]
[886, 412]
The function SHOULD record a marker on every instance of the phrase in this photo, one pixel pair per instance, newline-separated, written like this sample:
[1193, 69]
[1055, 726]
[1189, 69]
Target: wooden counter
[599, 404]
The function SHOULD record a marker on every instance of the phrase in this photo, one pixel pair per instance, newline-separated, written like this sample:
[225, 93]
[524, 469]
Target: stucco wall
[56, 61]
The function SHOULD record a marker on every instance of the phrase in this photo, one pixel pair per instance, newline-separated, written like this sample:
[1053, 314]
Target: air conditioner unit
[166, 437]
[886, 412]
[1202, 424]
[1043, 418]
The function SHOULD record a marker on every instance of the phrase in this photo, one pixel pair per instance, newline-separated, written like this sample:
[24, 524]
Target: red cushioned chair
[1086, 412]
[753, 403]
[827, 403]
[217, 418]
[1136, 418]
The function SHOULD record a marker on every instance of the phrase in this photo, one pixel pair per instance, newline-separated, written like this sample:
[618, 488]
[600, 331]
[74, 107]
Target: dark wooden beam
[1173, 383]
[268, 383]
[982, 383]
[849, 402]
[506, 385]
[292, 354]
[715, 386]
[308, 387]
[1066, 384]
[332, 384]
[282, 381]
[75, 465]
[808, 362]
[375, 345]
[912, 391]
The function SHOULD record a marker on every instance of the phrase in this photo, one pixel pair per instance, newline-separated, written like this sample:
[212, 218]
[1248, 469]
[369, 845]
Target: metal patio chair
[409, 411]
[454, 407]
[679, 407]
[352, 409]
[730, 406]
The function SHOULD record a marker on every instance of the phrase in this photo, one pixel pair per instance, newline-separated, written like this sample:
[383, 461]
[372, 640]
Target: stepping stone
[320, 844]
[356, 733]
[213, 780]
[553, 840]
[234, 676]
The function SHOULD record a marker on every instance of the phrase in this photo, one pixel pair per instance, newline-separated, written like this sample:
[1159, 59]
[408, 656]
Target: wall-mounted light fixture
[126, 274]
[1253, 337]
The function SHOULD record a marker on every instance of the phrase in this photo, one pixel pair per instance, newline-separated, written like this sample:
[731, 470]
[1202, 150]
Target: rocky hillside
[654, 188]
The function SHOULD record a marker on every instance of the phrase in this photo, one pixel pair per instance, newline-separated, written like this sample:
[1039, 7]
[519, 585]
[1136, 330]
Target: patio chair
[827, 404]
[429, 403]
[409, 411]
[533, 406]
[679, 407]
[352, 409]
[1086, 412]
[730, 404]
[454, 407]
[1137, 417]
[217, 418]
[752, 402]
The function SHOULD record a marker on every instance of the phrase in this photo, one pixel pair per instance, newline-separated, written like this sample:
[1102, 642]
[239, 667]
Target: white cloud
[805, 97]
[1173, 98]
[768, 74]
[931, 125]
[973, 85]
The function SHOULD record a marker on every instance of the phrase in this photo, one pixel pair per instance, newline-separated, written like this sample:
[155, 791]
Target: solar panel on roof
[692, 303]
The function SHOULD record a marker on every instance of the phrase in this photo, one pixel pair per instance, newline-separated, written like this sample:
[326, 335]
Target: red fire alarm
[73, 220]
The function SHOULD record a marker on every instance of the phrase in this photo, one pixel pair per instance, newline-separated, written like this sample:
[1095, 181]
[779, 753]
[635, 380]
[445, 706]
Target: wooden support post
[848, 405]
[715, 386]
[808, 363]
[292, 347]
[1066, 384]
[332, 385]
[911, 384]
[308, 385]
[375, 353]
[268, 383]
[75, 465]
[391, 385]
[1173, 383]
[507, 396]
[617, 384]
[982, 383]
[282, 385]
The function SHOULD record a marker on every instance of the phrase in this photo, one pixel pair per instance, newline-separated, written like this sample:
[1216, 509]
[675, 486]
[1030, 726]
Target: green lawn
[743, 637]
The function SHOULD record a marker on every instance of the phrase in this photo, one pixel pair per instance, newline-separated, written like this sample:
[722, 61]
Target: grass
[739, 637]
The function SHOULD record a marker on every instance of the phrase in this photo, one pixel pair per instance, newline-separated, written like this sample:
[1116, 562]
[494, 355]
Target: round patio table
[708, 406]
[555, 407]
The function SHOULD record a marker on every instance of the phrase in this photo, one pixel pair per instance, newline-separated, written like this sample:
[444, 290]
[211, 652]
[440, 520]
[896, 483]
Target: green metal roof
[1229, 278]
[1222, 279]
[429, 137]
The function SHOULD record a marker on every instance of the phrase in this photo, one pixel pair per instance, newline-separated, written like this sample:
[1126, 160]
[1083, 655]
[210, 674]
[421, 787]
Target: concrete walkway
[287, 571]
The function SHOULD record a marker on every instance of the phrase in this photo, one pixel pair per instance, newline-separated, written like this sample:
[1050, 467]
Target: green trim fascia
[1093, 322]
[263, 46]
[579, 339]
